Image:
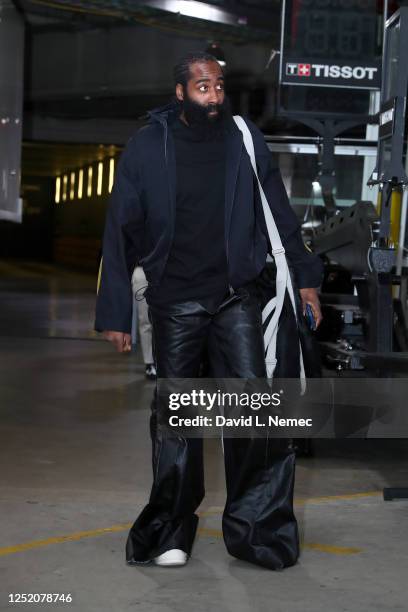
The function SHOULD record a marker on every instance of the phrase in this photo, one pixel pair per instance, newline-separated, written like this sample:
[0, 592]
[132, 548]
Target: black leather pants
[258, 521]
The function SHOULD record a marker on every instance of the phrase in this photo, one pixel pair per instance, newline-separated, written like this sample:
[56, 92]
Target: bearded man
[185, 207]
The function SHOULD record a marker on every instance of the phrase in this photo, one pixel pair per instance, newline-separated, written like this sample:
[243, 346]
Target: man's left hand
[310, 296]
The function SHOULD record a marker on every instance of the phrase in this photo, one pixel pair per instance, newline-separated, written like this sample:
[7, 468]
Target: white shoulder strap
[274, 237]
[283, 278]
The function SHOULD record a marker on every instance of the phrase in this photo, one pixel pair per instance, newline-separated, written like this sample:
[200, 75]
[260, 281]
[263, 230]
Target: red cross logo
[304, 70]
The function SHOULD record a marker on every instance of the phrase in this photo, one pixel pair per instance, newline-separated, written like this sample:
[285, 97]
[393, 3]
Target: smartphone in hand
[310, 317]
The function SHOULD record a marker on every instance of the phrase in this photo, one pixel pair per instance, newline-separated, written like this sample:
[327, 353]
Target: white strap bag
[283, 278]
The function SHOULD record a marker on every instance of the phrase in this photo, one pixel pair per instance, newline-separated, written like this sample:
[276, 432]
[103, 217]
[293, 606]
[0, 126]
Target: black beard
[199, 119]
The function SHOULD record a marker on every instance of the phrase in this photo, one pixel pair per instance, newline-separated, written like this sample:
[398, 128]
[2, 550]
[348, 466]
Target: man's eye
[220, 87]
[203, 88]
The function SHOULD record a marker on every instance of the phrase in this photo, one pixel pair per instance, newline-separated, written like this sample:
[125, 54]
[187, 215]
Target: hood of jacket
[164, 114]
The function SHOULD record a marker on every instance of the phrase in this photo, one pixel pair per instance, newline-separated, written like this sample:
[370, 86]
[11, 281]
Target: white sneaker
[171, 558]
[151, 373]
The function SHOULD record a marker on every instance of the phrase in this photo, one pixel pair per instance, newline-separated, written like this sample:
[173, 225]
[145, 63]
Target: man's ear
[179, 92]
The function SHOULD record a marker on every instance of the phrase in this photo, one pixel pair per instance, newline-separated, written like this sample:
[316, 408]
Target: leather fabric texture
[258, 522]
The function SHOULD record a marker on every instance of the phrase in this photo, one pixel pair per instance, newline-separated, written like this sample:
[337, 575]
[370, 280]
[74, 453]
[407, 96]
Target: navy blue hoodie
[140, 220]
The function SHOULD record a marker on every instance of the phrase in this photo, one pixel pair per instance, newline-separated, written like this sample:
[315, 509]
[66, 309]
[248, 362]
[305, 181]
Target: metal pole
[11, 109]
[371, 193]
[385, 18]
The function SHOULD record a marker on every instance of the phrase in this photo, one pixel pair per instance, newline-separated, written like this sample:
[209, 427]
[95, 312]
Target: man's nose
[214, 96]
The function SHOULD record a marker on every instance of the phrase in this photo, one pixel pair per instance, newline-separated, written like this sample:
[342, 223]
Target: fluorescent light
[64, 187]
[72, 187]
[111, 173]
[100, 178]
[80, 183]
[57, 189]
[198, 10]
[89, 188]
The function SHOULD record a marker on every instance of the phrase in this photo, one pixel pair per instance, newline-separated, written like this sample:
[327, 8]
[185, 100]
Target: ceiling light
[198, 10]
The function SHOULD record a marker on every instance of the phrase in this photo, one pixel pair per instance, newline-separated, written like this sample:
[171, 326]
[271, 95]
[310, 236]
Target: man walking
[185, 207]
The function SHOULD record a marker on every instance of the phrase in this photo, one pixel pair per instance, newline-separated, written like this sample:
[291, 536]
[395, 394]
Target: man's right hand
[121, 341]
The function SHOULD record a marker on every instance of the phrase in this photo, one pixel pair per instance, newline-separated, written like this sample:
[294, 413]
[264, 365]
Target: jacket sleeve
[119, 256]
[307, 267]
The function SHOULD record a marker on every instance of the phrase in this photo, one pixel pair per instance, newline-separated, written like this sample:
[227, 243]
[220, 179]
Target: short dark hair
[181, 71]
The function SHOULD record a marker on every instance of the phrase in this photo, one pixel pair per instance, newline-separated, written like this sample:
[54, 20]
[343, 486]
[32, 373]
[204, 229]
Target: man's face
[203, 98]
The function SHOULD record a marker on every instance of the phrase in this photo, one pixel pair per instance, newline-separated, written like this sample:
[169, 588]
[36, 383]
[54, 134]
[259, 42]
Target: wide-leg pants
[258, 522]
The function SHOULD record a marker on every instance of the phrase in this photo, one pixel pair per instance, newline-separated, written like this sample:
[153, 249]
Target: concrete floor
[75, 459]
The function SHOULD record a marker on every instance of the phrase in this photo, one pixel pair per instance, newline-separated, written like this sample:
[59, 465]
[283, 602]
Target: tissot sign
[304, 71]
[331, 43]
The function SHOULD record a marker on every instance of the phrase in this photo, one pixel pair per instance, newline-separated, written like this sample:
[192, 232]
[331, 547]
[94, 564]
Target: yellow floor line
[301, 501]
[204, 531]
[334, 550]
[80, 535]
[212, 533]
